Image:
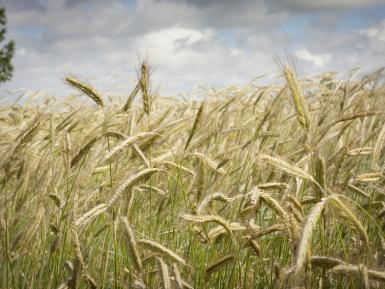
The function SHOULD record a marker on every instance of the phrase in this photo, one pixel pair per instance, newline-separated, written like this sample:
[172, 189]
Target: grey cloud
[276, 5]
[266, 42]
[23, 4]
[229, 14]
[42, 5]
[325, 5]
[206, 3]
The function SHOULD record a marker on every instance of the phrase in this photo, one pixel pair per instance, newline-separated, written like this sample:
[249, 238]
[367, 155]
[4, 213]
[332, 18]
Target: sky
[189, 43]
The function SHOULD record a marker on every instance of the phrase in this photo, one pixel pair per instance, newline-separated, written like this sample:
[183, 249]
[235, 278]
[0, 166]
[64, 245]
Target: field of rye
[277, 186]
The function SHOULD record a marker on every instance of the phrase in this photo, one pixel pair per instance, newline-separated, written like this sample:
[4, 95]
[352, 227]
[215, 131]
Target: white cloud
[173, 46]
[185, 57]
[375, 34]
[319, 60]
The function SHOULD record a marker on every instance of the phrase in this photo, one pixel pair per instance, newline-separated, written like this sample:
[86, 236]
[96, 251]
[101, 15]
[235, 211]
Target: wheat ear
[131, 97]
[154, 246]
[144, 86]
[164, 273]
[209, 162]
[87, 89]
[377, 148]
[215, 266]
[307, 233]
[101, 208]
[298, 98]
[195, 125]
[130, 181]
[126, 143]
[132, 244]
[201, 219]
[22, 141]
[349, 217]
[83, 151]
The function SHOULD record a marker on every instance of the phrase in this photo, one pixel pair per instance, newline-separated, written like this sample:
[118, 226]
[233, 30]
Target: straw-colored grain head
[87, 89]
[300, 104]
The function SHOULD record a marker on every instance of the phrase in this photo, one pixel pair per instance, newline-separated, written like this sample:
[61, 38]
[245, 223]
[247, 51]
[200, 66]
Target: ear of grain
[275, 206]
[83, 151]
[349, 217]
[254, 245]
[378, 148]
[97, 210]
[141, 155]
[364, 276]
[212, 164]
[165, 274]
[67, 148]
[195, 125]
[297, 205]
[220, 230]
[131, 97]
[144, 86]
[132, 244]
[80, 261]
[259, 232]
[298, 98]
[73, 283]
[376, 275]
[325, 262]
[355, 116]
[369, 177]
[286, 167]
[273, 185]
[217, 265]
[202, 219]
[360, 151]
[87, 89]
[130, 181]
[115, 134]
[346, 269]
[307, 233]
[204, 203]
[174, 165]
[115, 151]
[23, 140]
[154, 246]
[225, 199]
[91, 281]
[212, 197]
[354, 271]
[319, 173]
[178, 278]
[153, 188]
[347, 119]
[359, 191]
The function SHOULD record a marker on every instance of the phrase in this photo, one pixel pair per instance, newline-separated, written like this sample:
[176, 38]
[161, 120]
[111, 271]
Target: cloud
[43, 4]
[375, 36]
[279, 5]
[325, 5]
[216, 42]
[319, 60]
[184, 57]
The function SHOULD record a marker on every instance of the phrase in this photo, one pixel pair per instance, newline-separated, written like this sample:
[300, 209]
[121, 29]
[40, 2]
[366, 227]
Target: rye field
[278, 186]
